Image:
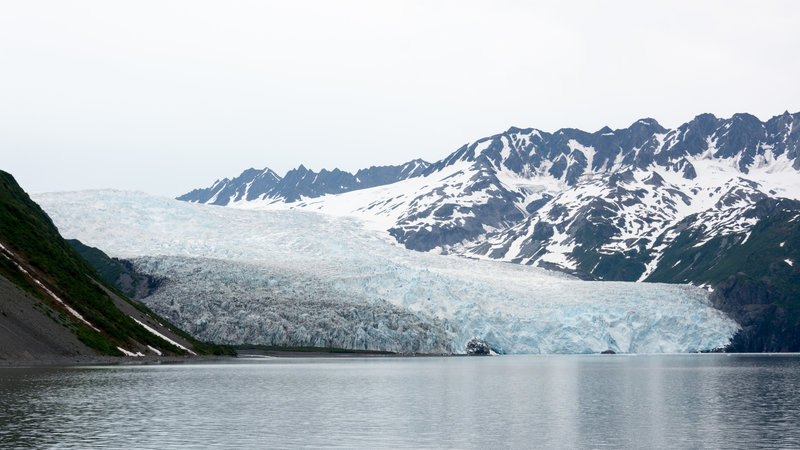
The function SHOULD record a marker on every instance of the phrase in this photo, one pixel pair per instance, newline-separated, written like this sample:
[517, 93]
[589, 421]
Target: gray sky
[164, 97]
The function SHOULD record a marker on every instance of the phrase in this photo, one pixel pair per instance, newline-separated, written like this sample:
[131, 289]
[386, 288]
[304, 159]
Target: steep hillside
[753, 275]
[43, 276]
[31, 330]
[119, 273]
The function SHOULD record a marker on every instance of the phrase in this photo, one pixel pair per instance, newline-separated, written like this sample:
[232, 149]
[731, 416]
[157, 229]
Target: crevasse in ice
[301, 278]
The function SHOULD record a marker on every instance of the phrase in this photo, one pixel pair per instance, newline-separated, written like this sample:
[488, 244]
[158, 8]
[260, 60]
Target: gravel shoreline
[68, 361]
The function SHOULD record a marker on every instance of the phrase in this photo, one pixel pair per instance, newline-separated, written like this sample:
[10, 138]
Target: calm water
[691, 401]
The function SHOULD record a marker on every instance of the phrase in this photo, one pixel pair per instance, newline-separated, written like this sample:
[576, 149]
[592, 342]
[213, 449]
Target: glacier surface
[303, 278]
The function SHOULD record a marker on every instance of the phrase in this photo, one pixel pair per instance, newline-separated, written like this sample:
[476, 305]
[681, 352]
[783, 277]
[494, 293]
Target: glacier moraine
[302, 278]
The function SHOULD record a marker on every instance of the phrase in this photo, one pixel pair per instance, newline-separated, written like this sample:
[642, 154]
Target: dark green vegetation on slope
[34, 243]
[627, 266]
[119, 273]
[755, 276]
[751, 279]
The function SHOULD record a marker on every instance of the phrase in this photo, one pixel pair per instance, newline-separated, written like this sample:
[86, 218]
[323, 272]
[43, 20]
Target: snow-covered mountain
[303, 278]
[603, 205]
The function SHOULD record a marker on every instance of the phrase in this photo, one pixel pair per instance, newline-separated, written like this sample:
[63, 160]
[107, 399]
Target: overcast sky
[164, 96]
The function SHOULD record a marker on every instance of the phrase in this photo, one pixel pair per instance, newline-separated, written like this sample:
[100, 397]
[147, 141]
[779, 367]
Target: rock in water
[477, 347]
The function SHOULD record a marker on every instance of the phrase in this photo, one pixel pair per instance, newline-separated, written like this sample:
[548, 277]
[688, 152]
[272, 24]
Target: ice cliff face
[301, 278]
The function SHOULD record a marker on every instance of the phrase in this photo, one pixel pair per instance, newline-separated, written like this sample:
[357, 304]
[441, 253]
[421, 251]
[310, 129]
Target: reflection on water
[667, 401]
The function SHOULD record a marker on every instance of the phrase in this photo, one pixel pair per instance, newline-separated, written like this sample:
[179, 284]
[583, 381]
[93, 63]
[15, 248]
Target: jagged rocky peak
[647, 122]
[243, 187]
[380, 175]
[782, 122]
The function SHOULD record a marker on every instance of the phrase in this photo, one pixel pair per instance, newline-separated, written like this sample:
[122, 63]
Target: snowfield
[302, 278]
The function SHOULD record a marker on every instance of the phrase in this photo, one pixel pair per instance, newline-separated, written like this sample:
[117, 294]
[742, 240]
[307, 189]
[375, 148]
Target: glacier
[303, 278]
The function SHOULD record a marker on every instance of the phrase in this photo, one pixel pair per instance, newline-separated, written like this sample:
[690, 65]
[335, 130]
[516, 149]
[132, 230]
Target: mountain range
[643, 203]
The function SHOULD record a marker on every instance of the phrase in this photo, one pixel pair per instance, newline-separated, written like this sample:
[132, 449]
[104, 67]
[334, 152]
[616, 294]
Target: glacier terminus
[301, 278]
